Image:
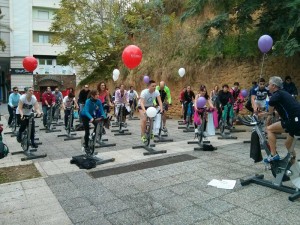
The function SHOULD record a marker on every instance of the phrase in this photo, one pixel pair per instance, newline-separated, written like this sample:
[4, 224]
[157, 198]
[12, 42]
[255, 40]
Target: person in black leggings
[92, 109]
[188, 97]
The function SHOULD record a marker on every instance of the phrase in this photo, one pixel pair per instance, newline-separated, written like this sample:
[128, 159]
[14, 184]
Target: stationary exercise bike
[200, 135]
[14, 123]
[132, 110]
[121, 121]
[49, 128]
[69, 136]
[26, 141]
[90, 159]
[95, 136]
[162, 133]
[150, 113]
[283, 170]
[188, 120]
[226, 123]
[56, 113]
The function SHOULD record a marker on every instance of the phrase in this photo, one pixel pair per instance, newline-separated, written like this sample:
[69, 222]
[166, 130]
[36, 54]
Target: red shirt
[49, 97]
[102, 96]
[181, 97]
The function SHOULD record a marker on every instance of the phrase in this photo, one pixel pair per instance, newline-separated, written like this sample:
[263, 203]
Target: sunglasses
[16, 90]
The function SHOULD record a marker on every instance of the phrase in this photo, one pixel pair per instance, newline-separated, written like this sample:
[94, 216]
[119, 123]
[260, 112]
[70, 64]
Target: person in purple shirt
[122, 97]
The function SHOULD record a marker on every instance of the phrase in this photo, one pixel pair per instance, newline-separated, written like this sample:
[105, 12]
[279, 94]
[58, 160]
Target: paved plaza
[170, 194]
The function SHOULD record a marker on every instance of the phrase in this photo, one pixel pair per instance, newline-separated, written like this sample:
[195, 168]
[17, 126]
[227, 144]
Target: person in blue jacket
[13, 103]
[91, 110]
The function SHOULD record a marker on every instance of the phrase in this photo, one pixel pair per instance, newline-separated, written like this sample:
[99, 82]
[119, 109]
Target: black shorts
[292, 127]
[146, 107]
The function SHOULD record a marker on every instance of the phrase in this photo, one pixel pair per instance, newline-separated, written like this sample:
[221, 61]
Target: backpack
[3, 149]
[83, 162]
[79, 127]
[207, 147]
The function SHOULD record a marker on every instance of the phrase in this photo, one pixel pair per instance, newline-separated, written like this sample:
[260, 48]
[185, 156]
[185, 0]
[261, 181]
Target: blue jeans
[45, 111]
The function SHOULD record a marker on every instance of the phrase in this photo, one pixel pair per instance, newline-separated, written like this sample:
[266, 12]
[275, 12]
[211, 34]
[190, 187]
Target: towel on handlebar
[156, 123]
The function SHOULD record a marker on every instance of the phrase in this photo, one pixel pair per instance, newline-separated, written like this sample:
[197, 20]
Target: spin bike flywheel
[276, 169]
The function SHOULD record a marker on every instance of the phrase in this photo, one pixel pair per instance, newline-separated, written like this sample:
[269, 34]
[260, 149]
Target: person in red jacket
[48, 100]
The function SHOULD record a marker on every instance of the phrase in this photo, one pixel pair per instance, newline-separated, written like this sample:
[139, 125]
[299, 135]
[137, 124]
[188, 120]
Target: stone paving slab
[30, 202]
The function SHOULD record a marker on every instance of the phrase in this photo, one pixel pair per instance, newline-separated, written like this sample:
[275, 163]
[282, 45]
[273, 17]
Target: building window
[43, 38]
[46, 62]
[43, 15]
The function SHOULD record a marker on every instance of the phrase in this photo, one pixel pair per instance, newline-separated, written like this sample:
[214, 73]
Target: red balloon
[30, 63]
[132, 56]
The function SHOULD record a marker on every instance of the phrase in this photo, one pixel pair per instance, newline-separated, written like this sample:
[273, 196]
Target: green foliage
[3, 26]
[237, 21]
[96, 32]
[90, 36]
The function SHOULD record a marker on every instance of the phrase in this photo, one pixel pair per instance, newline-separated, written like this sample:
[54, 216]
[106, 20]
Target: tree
[2, 43]
[93, 40]
[96, 31]
[242, 22]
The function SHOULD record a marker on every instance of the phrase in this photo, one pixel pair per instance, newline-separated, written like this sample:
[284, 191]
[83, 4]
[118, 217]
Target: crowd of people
[274, 97]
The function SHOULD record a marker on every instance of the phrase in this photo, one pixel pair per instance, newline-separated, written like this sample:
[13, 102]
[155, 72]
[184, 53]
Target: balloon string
[262, 65]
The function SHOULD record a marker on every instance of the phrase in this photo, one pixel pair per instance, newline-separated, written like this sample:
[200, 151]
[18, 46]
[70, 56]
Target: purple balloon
[244, 93]
[265, 43]
[201, 101]
[146, 79]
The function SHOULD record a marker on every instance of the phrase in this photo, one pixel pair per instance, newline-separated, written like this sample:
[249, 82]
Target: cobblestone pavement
[169, 194]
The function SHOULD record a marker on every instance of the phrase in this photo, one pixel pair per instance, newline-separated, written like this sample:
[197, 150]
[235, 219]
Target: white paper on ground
[214, 183]
[224, 184]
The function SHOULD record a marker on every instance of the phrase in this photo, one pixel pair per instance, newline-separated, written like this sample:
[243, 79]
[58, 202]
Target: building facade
[27, 33]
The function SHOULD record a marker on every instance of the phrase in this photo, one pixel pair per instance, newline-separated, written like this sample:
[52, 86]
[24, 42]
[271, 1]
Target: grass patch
[17, 173]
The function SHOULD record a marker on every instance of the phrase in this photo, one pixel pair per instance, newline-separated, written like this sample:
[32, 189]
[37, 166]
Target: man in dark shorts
[289, 111]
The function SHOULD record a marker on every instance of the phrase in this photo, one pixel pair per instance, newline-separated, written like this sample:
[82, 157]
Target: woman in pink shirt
[104, 94]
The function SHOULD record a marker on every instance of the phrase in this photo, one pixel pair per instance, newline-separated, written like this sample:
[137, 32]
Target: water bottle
[267, 104]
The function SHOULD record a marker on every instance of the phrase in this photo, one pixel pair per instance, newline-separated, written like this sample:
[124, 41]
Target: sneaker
[205, 134]
[144, 139]
[152, 136]
[184, 122]
[19, 137]
[164, 129]
[34, 145]
[271, 158]
[196, 130]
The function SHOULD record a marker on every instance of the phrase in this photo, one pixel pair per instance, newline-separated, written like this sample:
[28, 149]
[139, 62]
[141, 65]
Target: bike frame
[70, 118]
[57, 111]
[27, 133]
[14, 121]
[49, 117]
[201, 127]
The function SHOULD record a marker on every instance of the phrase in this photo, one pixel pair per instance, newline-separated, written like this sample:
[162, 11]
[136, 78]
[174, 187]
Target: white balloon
[115, 78]
[181, 72]
[116, 72]
[151, 112]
